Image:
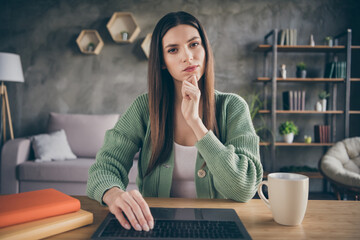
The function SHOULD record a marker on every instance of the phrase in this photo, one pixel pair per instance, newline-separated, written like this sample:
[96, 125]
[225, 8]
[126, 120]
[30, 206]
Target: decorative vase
[323, 105]
[289, 138]
[318, 106]
[303, 73]
[330, 42]
[124, 35]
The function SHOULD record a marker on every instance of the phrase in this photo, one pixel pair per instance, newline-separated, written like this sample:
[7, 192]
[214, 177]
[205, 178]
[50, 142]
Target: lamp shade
[10, 68]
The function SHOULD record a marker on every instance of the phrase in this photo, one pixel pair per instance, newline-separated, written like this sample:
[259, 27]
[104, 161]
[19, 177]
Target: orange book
[34, 205]
[46, 227]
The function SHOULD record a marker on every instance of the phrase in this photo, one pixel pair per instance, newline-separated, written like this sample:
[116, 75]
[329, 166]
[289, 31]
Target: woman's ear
[163, 66]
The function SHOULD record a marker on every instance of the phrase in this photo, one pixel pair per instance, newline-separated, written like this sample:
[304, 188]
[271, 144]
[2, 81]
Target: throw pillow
[53, 146]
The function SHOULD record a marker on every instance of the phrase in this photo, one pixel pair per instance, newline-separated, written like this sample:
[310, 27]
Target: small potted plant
[301, 70]
[323, 95]
[124, 35]
[288, 129]
[90, 47]
[328, 41]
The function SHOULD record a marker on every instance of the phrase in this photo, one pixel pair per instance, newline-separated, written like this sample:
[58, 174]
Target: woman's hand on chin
[191, 99]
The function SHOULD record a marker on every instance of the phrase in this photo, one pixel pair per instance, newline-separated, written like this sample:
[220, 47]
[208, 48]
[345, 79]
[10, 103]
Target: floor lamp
[10, 71]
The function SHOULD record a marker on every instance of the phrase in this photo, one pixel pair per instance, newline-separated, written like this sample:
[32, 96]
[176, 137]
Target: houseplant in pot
[323, 95]
[288, 129]
[301, 70]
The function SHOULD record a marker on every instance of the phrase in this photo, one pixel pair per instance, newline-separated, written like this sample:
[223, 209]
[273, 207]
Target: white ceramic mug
[288, 197]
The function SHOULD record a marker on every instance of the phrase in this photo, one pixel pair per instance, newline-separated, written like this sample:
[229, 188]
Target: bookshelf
[272, 94]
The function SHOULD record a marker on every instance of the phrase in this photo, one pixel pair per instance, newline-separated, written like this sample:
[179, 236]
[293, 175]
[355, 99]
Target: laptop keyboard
[177, 229]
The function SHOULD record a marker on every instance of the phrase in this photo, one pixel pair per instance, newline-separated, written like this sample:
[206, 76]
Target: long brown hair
[162, 90]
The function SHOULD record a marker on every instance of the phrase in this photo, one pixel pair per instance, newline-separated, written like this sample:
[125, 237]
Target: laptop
[179, 223]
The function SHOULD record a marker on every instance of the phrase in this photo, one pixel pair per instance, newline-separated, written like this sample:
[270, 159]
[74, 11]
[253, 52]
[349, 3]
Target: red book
[321, 127]
[34, 205]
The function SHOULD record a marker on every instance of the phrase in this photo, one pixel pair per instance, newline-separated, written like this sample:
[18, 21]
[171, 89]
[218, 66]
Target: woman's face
[184, 54]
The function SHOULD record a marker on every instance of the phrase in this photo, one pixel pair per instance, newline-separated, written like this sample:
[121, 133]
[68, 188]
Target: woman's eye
[194, 44]
[172, 50]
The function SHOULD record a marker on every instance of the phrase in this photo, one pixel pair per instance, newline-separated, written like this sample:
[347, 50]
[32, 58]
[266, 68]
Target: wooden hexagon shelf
[145, 45]
[90, 42]
[123, 27]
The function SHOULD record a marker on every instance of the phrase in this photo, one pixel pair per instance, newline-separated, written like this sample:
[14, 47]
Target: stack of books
[294, 100]
[288, 37]
[40, 214]
[322, 133]
[335, 70]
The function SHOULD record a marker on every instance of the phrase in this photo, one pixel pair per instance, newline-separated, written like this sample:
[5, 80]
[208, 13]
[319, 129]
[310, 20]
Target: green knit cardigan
[233, 168]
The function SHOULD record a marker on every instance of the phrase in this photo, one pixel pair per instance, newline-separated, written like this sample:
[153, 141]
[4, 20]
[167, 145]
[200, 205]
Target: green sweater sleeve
[234, 162]
[115, 158]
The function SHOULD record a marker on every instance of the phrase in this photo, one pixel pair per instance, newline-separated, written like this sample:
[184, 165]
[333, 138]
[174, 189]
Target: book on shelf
[294, 100]
[322, 133]
[48, 226]
[287, 103]
[288, 37]
[34, 205]
[282, 37]
[303, 95]
[335, 70]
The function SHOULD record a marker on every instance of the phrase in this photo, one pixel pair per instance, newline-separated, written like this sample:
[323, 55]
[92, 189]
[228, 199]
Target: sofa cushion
[85, 133]
[64, 171]
[53, 146]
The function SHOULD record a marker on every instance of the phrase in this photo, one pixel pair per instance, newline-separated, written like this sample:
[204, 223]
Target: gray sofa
[85, 135]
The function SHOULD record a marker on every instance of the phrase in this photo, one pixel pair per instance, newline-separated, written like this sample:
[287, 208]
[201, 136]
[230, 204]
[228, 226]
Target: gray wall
[59, 78]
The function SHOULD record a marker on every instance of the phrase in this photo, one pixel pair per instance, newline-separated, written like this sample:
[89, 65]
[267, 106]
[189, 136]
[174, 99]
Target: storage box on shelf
[274, 48]
[90, 42]
[123, 27]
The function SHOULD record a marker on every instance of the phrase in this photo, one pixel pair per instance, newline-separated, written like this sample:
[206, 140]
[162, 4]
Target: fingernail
[146, 227]
[127, 226]
[138, 227]
[151, 225]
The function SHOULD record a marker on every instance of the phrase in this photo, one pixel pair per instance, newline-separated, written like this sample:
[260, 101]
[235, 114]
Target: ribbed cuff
[209, 145]
[100, 190]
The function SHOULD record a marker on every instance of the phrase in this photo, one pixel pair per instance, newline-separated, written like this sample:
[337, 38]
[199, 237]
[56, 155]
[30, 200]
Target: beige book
[48, 226]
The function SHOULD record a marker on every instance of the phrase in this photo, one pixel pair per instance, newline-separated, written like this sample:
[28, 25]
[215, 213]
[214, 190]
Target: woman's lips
[190, 68]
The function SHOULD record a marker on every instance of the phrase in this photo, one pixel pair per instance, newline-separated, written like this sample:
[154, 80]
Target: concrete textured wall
[59, 78]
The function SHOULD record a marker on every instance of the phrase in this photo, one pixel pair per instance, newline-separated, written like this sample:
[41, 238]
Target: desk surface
[323, 219]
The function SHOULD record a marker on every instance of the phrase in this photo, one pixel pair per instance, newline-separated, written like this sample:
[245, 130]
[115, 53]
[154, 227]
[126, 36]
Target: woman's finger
[191, 91]
[137, 211]
[193, 80]
[144, 207]
[128, 210]
[122, 220]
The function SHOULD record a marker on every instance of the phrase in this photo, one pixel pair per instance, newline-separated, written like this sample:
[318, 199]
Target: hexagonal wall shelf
[145, 45]
[123, 27]
[90, 42]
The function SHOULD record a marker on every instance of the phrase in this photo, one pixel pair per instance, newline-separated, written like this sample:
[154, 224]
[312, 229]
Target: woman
[194, 142]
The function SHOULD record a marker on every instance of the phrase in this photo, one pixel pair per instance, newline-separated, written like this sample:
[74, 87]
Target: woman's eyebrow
[175, 45]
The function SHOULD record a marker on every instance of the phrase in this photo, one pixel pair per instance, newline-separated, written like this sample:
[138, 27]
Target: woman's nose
[188, 56]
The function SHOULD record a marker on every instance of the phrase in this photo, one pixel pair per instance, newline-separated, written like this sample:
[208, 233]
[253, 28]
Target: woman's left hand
[191, 100]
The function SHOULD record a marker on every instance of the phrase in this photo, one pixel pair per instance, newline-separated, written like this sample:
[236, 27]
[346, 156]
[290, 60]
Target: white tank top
[183, 182]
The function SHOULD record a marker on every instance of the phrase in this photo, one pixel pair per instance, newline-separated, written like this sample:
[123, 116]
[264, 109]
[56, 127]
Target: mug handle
[261, 194]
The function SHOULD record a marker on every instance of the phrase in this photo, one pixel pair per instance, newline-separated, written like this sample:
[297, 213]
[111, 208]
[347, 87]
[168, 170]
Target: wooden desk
[323, 219]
